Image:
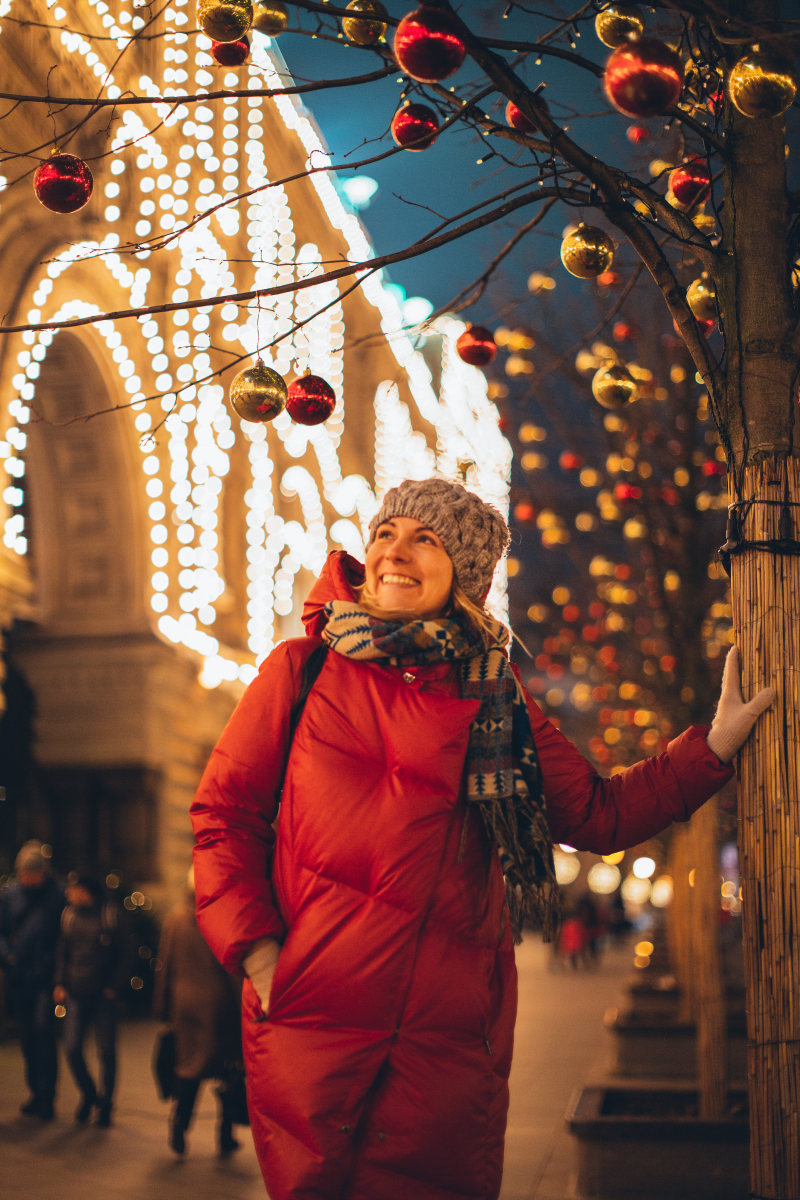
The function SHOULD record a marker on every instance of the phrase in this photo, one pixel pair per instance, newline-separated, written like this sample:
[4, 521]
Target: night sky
[417, 188]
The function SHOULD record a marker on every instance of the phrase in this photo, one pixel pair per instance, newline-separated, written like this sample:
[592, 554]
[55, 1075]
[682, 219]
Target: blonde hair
[459, 604]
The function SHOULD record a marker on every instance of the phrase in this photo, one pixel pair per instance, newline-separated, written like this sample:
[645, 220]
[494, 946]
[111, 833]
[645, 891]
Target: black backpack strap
[311, 669]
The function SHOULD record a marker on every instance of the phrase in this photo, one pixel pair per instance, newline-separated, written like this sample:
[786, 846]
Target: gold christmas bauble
[364, 32]
[705, 222]
[762, 85]
[258, 393]
[225, 20]
[270, 17]
[702, 300]
[616, 23]
[613, 386]
[587, 252]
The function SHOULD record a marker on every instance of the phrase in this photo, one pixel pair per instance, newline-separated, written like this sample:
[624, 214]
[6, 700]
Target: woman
[375, 929]
[200, 1001]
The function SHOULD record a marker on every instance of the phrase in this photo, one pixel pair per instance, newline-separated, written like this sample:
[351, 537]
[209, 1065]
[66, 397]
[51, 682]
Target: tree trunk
[766, 611]
[708, 984]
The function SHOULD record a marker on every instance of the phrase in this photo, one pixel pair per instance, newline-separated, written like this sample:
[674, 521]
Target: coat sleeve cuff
[700, 772]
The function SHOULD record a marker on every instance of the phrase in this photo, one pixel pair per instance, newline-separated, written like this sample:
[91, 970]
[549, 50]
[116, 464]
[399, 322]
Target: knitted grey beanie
[473, 533]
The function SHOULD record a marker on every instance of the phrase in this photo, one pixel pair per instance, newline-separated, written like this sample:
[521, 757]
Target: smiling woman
[420, 792]
[408, 570]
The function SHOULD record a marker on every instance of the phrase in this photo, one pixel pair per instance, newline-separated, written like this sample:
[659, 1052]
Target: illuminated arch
[300, 499]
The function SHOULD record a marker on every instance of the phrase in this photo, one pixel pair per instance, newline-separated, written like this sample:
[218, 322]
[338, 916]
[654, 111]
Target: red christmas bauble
[689, 182]
[427, 46]
[63, 183]
[310, 400]
[715, 101]
[476, 346]
[516, 118]
[415, 126]
[524, 511]
[643, 78]
[637, 133]
[231, 54]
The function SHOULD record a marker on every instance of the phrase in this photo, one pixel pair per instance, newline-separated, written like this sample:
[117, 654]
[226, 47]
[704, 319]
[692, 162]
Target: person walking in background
[200, 1001]
[30, 912]
[417, 794]
[91, 969]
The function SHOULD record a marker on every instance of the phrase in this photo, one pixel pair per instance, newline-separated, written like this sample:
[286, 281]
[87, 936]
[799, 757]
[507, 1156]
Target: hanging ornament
[231, 54]
[415, 126]
[516, 118]
[427, 46]
[225, 20]
[617, 23]
[360, 30]
[613, 386]
[762, 84]
[689, 182]
[637, 133]
[715, 100]
[310, 400]
[525, 512]
[258, 393]
[702, 299]
[476, 346]
[587, 252]
[705, 222]
[63, 183]
[643, 78]
[270, 18]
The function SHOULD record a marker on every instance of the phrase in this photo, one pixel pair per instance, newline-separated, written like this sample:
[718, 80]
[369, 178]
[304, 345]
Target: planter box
[643, 1143]
[659, 995]
[646, 1047]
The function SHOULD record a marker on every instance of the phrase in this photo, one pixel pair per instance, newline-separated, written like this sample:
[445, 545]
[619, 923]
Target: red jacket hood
[340, 575]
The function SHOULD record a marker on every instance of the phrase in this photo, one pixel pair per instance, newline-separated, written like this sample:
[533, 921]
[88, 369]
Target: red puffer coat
[381, 1071]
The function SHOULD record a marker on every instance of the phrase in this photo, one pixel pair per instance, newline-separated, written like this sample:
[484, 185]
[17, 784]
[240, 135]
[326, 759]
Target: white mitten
[259, 966]
[734, 719]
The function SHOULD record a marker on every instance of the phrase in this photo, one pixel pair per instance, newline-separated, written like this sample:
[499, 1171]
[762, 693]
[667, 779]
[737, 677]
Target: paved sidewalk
[561, 1045]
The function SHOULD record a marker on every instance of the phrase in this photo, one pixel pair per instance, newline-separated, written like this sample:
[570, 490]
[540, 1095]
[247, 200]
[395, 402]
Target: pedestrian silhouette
[200, 1002]
[30, 911]
[91, 968]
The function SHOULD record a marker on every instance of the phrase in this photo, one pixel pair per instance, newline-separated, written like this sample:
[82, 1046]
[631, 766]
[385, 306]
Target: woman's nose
[399, 549]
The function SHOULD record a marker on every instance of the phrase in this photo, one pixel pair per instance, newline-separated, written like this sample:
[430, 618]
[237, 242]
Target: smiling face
[408, 569]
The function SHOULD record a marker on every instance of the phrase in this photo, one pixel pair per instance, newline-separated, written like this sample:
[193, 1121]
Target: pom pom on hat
[473, 533]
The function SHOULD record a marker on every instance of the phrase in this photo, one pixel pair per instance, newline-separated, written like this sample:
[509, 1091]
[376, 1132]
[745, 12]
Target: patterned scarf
[503, 779]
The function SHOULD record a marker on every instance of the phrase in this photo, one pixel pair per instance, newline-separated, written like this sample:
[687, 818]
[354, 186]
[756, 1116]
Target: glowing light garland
[219, 152]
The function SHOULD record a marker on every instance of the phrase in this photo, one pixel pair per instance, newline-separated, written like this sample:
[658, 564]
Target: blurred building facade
[154, 546]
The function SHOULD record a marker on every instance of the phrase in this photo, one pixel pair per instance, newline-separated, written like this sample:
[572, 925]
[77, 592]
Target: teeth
[402, 579]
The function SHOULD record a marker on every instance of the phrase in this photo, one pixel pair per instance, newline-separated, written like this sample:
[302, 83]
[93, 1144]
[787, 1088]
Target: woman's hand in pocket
[259, 966]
